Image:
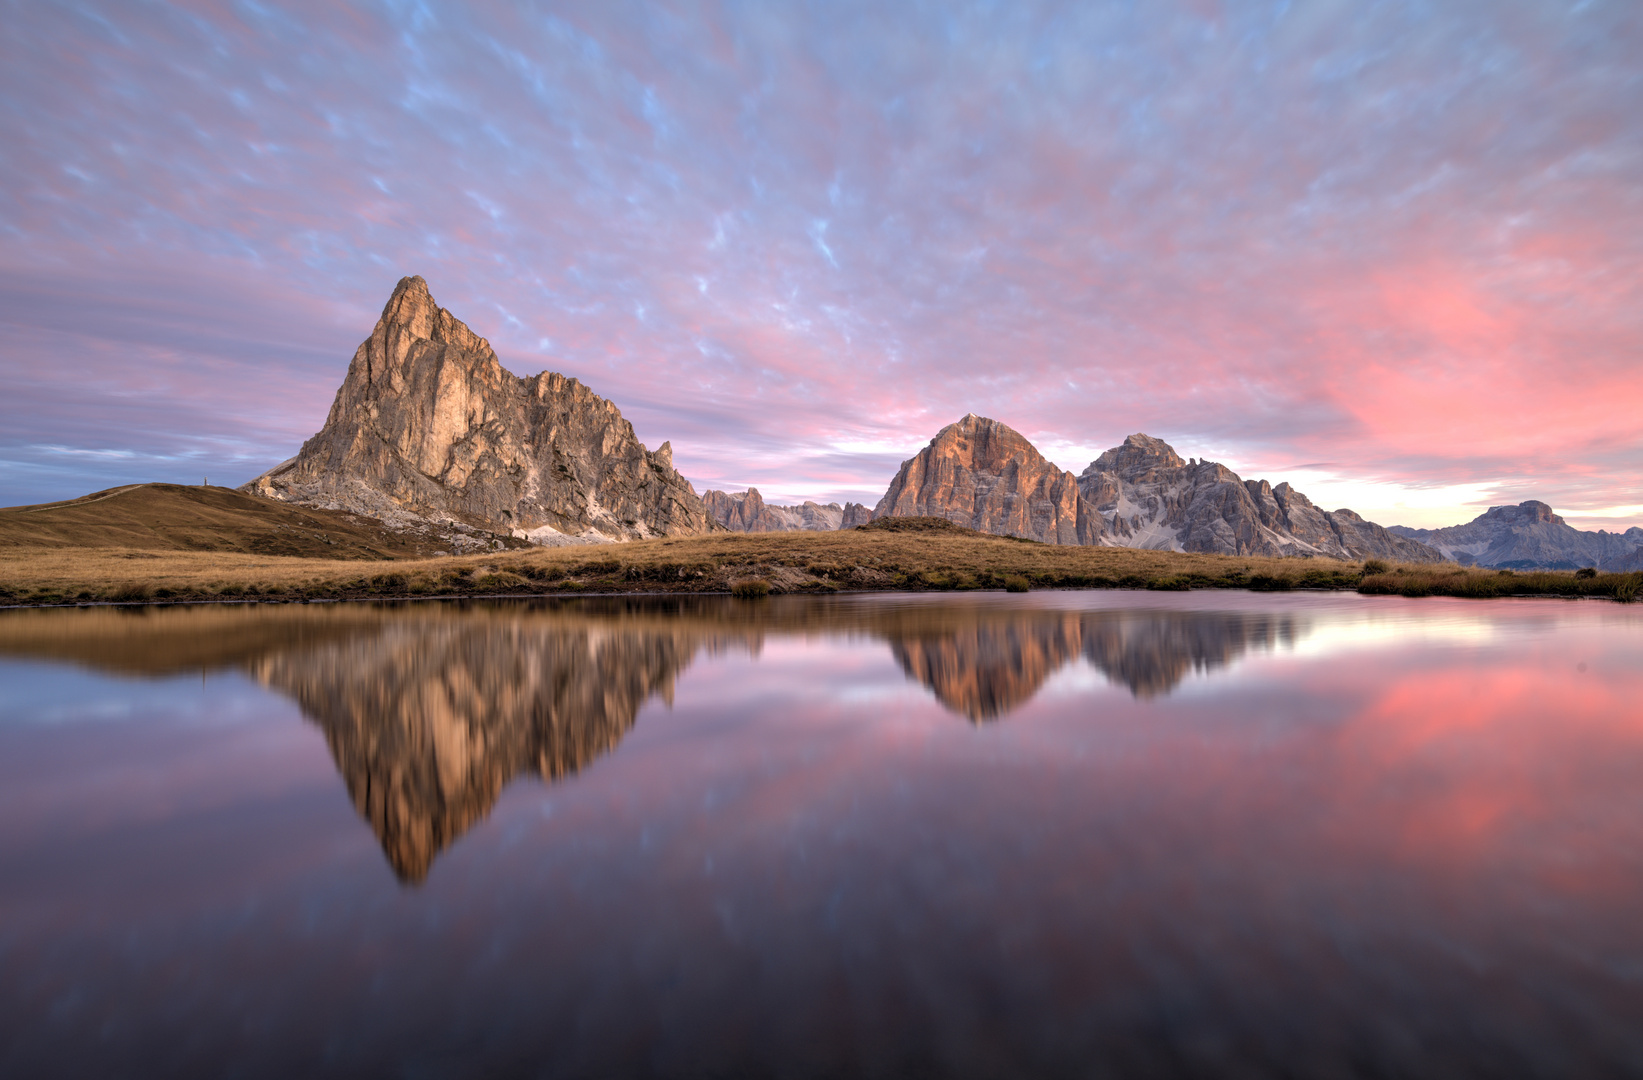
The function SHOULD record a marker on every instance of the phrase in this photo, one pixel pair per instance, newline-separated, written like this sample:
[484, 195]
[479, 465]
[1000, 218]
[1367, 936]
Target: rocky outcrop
[855, 514]
[748, 512]
[429, 430]
[1149, 497]
[984, 475]
[1529, 536]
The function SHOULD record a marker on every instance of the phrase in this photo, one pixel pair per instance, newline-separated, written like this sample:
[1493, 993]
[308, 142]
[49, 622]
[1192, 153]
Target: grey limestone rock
[1150, 497]
[748, 512]
[428, 429]
[1529, 535]
[855, 514]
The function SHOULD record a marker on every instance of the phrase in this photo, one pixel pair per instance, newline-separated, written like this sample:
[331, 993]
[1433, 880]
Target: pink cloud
[1402, 240]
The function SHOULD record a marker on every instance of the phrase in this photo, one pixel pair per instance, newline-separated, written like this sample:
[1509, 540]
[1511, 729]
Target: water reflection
[986, 666]
[431, 710]
[1410, 845]
[428, 720]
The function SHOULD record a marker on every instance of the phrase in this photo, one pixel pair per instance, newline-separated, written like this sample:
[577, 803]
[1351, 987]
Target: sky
[1391, 252]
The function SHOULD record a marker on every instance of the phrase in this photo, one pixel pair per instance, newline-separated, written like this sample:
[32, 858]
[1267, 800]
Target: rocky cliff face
[428, 428]
[984, 475]
[1142, 494]
[748, 512]
[1148, 497]
[1529, 535]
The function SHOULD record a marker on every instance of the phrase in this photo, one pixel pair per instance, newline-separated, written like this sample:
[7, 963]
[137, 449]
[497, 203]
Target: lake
[1063, 834]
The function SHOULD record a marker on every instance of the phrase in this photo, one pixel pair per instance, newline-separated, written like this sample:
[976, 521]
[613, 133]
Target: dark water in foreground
[1105, 834]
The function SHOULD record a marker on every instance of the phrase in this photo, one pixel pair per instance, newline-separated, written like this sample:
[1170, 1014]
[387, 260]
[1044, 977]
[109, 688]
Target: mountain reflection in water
[986, 668]
[1411, 845]
[431, 710]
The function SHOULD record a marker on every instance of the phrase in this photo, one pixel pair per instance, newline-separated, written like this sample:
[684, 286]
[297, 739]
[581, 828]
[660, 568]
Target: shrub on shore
[1451, 580]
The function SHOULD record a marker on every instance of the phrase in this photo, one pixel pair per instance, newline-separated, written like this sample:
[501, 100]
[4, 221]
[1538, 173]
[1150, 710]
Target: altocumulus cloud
[796, 239]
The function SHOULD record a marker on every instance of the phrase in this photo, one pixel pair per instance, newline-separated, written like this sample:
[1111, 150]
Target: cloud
[1400, 237]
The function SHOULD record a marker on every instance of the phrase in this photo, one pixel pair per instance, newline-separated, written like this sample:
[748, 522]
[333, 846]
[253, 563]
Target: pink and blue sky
[1391, 252]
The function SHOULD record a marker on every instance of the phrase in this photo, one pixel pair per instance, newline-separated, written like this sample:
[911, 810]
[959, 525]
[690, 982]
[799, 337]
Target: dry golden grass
[176, 517]
[855, 559]
[1448, 579]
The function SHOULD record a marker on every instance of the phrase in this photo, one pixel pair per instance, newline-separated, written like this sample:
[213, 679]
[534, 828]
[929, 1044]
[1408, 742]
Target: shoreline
[819, 563]
[270, 601]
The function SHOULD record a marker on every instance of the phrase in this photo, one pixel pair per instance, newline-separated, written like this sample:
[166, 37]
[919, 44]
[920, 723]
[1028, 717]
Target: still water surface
[1075, 834]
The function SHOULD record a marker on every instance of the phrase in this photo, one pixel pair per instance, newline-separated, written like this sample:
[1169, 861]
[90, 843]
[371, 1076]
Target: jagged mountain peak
[428, 432]
[413, 312]
[1139, 454]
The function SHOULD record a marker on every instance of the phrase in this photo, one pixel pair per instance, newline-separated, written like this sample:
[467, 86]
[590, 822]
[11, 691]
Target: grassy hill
[174, 517]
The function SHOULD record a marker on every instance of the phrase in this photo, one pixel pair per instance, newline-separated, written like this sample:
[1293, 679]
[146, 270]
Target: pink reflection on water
[1412, 837]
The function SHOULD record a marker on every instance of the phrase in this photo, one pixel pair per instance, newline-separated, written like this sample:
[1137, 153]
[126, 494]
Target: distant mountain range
[1530, 535]
[430, 435]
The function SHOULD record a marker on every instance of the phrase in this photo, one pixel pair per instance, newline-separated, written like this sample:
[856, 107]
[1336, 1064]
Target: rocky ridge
[1531, 536]
[1141, 494]
[748, 512]
[1148, 497]
[429, 433]
[982, 474]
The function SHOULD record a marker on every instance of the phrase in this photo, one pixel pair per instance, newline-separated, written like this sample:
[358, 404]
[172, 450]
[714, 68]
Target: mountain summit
[985, 475]
[1531, 535]
[1150, 498]
[429, 430]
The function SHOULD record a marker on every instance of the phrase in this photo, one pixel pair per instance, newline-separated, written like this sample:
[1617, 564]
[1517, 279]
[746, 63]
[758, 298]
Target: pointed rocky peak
[414, 313]
[429, 430]
[1139, 455]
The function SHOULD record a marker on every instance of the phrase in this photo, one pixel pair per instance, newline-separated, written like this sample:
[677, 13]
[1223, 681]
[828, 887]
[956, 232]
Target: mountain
[980, 473]
[748, 512]
[1148, 497]
[1530, 535]
[984, 475]
[428, 432]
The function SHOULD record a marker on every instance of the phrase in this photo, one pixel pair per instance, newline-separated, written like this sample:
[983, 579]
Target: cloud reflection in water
[430, 711]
